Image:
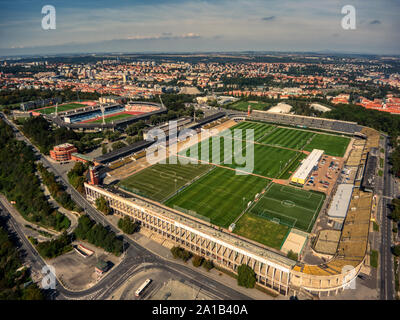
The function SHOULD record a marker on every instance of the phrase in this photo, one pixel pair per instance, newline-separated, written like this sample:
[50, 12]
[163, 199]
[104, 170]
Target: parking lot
[323, 179]
[78, 273]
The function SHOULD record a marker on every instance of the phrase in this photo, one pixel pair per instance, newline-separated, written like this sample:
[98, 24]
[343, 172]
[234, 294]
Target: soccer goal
[276, 220]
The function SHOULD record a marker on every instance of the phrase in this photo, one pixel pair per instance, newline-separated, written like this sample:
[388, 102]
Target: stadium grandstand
[116, 116]
[368, 182]
[273, 269]
[109, 157]
[306, 122]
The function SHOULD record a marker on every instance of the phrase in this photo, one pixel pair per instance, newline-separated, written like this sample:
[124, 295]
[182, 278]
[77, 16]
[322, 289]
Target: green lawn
[261, 230]
[374, 258]
[291, 168]
[292, 206]
[289, 138]
[260, 129]
[332, 145]
[219, 195]
[113, 118]
[255, 105]
[263, 160]
[158, 181]
[64, 107]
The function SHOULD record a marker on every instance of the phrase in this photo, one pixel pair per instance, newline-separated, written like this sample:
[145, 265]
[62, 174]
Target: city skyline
[198, 26]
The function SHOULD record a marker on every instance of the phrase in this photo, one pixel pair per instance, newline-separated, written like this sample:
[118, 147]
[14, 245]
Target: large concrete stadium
[116, 116]
[170, 216]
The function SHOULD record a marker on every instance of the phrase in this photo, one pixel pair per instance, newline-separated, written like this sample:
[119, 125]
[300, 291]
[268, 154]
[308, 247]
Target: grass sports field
[158, 181]
[63, 107]
[255, 105]
[332, 145]
[289, 205]
[261, 230]
[267, 161]
[113, 118]
[219, 195]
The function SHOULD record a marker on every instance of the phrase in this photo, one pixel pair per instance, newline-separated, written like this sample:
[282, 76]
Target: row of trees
[76, 176]
[43, 135]
[46, 137]
[98, 235]
[379, 120]
[246, 276]
[12, 281]
[19, 182]
[8, 97]
[197, 261]
[395, 156]
[55, 247]
[395, 210]
[57, 190]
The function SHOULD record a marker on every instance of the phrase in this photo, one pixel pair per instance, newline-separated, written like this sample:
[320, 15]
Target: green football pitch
[259, 159]
[160, 181]
[287, 138]
[261, 230]
[113, 118]
[63, 107]
[290, 206]
[296, 139]
[221, 195]
[332, 145]
[218, 195]
[255, 105]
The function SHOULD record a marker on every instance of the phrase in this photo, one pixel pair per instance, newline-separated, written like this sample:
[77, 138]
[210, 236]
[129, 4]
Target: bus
[142, 287]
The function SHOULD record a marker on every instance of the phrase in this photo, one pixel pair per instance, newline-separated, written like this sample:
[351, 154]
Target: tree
[32, 292]
[396, 250]
[197, 261]
[208, 265]
[246, 276]
[127, 225]
[178, 252]
[292, 255]
[104, 149]
[395, 210]
[98, 235]
[101, 205]
[118, 145]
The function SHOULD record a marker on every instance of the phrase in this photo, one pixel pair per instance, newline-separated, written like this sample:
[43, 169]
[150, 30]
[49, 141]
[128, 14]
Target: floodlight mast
[102, 108]
[162, 104]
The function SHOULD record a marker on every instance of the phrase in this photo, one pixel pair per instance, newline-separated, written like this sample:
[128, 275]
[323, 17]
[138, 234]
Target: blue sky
[198, 25]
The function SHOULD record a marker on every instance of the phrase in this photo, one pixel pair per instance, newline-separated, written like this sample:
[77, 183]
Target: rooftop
[340, 201]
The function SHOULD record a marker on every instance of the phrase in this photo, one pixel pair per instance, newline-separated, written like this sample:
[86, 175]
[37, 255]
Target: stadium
[91, 116]
[258, 217]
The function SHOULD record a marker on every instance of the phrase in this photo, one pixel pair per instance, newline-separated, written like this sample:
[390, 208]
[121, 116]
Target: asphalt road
[386, 259]
[135, 255]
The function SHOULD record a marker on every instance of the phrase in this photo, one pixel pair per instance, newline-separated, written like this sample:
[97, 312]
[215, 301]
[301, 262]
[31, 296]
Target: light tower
[102, 108]
[162, 104]
[248, 110]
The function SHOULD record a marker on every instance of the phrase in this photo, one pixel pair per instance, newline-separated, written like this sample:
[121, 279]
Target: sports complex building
[194, 205]
[93, 116]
